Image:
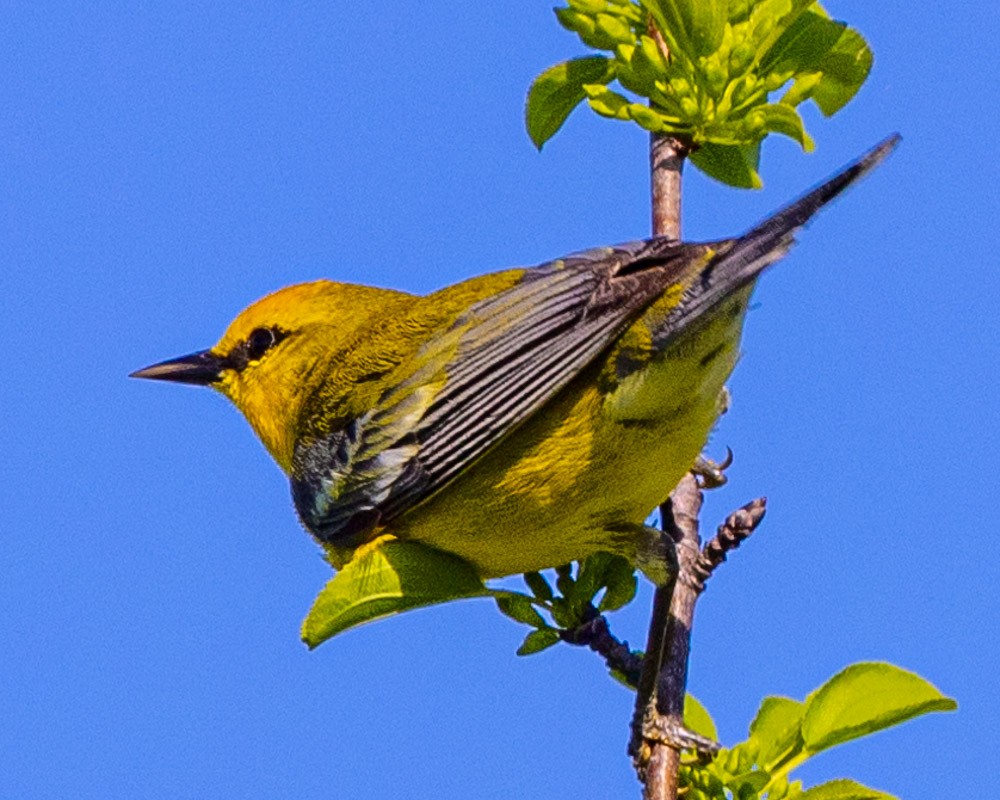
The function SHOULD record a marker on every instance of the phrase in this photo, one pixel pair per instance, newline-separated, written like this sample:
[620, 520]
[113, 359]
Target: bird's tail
[740, 261]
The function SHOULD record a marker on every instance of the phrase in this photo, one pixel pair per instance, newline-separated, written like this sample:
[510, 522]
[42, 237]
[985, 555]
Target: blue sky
[164, 164]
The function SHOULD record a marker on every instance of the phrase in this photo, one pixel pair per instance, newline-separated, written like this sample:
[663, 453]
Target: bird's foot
[650, 549]
[664, 730]
[712, 474]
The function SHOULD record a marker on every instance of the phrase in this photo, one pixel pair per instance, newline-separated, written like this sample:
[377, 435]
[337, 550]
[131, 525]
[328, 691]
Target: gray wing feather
[497, 365]
[509, 354]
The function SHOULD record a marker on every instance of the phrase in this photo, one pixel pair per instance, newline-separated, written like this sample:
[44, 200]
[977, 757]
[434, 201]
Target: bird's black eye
[259, 342]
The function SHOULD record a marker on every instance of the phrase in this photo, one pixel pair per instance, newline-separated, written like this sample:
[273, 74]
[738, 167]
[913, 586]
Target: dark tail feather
[740, 261]
[750, 253]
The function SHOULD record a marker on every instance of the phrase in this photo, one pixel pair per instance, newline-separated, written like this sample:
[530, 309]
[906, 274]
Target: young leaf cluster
[572, 603]
[707, 72]
[862, 699]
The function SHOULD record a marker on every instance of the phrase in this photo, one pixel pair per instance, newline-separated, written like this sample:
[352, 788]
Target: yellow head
[274, 352]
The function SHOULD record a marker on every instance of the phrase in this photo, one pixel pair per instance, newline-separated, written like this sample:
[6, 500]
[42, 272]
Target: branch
[596, 635]
[658, 732]
[663, 723]
[666, 159]
[730, 535]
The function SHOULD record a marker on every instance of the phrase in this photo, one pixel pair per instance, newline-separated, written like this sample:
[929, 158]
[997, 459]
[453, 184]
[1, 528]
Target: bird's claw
[712, 474]
[663, 731]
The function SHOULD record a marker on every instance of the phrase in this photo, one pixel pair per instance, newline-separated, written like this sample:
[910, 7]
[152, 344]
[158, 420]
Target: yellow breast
[593, 463]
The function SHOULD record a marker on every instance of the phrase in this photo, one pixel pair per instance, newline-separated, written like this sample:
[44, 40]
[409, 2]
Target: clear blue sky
[164, 164]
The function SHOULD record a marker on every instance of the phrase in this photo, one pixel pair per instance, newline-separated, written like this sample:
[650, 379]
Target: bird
[519, 420]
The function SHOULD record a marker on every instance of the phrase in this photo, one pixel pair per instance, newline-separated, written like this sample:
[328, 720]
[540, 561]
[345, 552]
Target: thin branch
[730, 535]
[663, 731]
[658, 732]
[618, 656]
[666, 160]
[657, 762]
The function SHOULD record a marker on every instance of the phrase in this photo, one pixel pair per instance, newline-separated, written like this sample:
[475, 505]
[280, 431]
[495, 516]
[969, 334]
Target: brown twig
[730, 535]
[666, 160]
[596, 634]
[656, 698]
[618, 656]
[663, 725]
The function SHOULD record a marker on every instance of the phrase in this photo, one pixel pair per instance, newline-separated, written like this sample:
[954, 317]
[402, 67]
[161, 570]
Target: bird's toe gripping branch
[712, 474]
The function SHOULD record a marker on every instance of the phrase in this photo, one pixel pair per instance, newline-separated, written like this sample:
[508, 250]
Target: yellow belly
[590, 466]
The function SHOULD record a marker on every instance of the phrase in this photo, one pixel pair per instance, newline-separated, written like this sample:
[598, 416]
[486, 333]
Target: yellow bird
[521, 419]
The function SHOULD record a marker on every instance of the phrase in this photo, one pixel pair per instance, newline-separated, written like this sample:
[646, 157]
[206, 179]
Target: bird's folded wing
[497, 365]
[509, 354]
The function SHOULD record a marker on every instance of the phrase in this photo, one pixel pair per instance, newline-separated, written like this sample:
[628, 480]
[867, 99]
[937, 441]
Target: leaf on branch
[703, 71]
[621, 585]
[697, 25]
[590, 578]
[865, 698]
[844, 69]
[843, 790]
[385, 578]
[539, 585]
[749, 784]
[536, 641]
[783, 119]
[829, 61]
[735, 165]
[776, 730]
[802, 45]
[557, 91]
[697, 718]
[606, 102]
[519, 608]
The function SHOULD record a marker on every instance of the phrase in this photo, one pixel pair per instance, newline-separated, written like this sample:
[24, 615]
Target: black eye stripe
[255, 346]
[259, 342]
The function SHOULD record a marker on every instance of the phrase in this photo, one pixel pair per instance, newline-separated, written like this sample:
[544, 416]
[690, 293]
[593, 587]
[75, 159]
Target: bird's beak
[202, 368]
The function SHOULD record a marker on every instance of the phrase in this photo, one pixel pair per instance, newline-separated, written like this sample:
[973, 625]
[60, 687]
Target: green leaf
[615, 29]
[386, 578]
[775, 729]
[823, 52]
[564, 578]
[622, 585]
[670, 24]
[739, 10]
[536, 641]
[703, 21]
[845, 67]
[519, 608]
[581, 24]
[539, 585]
[843, 790]
[697, 718]
[645, 117]
[749, 784]
[735, 165]
[865, 698]
[651, 61]
[771, 18]
[587, 6]
[557, 91]
[801, 89]
[589, 578]
[606, 102]
[781, 118]
[803, 45]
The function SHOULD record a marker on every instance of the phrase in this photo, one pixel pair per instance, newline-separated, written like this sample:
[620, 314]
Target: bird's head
[267, 361]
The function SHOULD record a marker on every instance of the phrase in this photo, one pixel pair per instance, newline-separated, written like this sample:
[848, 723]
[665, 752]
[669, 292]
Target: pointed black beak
[202, 368]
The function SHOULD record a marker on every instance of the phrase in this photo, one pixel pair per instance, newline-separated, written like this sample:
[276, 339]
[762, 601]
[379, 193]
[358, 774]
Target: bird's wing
[492, 369]
[509, 354]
